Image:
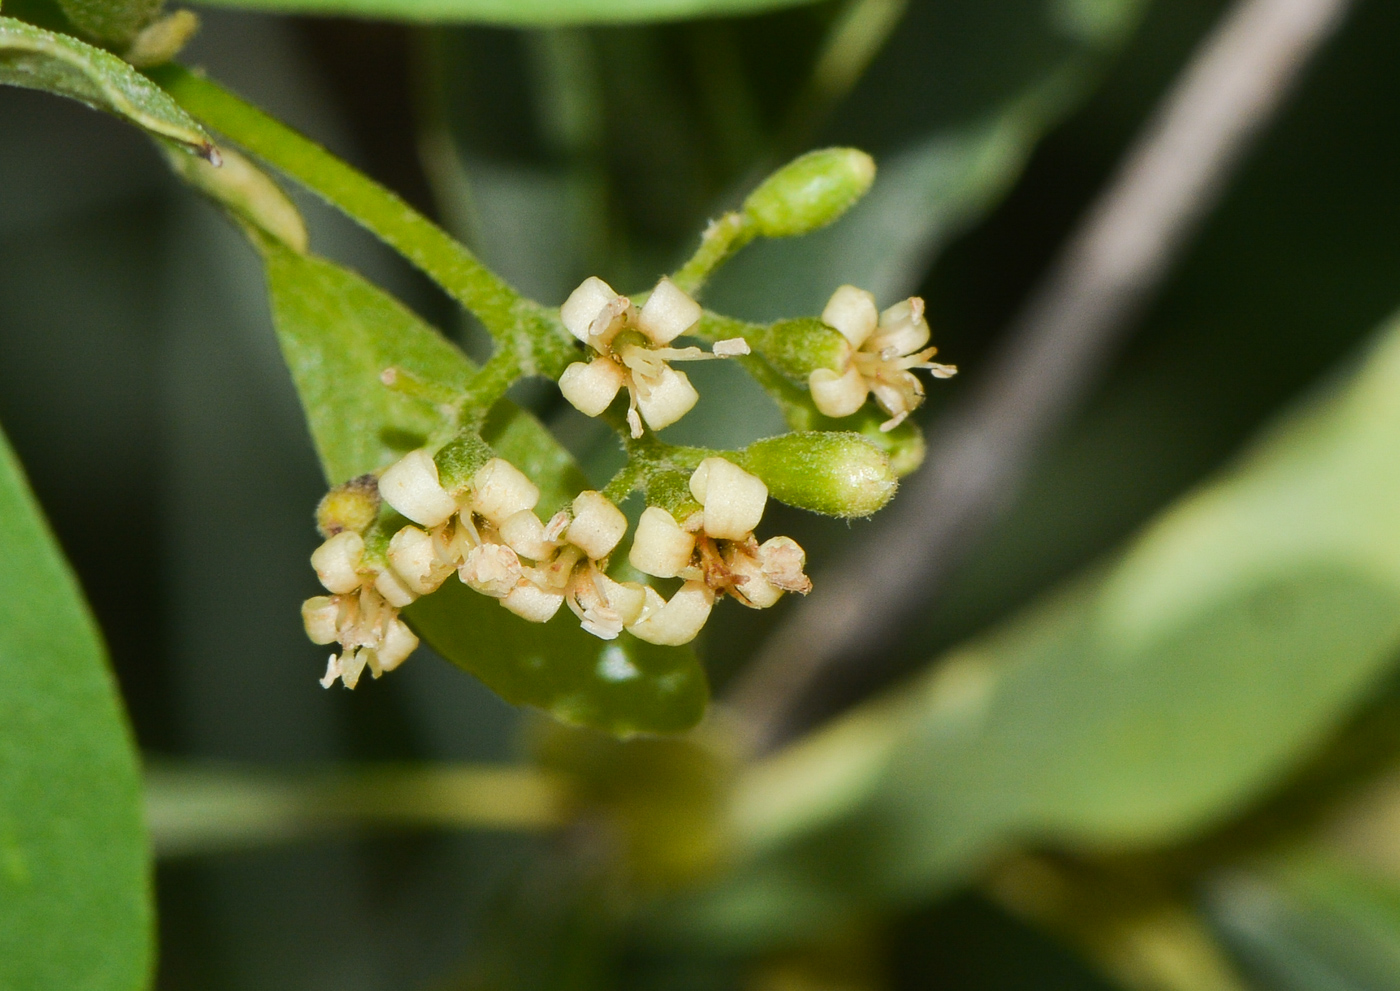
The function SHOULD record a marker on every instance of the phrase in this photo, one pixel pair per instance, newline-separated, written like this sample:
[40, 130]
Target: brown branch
[1056, 348]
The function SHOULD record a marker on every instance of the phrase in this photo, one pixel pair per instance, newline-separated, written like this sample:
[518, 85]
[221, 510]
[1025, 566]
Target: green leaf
[951, 111]
[1305, 922]
[622, 686]
[37, 59]
[338, 333]
[518, 13]
[75, 906]
[1200, 667]
[111, 21]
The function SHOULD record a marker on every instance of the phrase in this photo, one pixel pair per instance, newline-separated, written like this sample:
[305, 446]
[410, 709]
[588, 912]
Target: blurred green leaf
[37, 59]
[1308, 923]
[111, 21]
[338, 333]
[951, 110]
[519, 13]
[74, 884]
[1152, 699]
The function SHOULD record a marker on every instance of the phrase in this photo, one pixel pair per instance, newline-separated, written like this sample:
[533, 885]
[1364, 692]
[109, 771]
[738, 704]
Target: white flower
[675, 622]
[369, 631]
[411, 486]
[886, 346]
[603, 605]
[631, 351]
[337, 562]
[661, 547]
[715, 552]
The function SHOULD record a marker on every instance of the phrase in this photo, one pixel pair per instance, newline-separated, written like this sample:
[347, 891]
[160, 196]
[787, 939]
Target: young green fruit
[810, 192]
[831, 472]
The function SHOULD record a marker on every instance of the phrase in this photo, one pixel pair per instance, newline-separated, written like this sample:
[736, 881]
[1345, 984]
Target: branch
[203, 809]
[1055, 350]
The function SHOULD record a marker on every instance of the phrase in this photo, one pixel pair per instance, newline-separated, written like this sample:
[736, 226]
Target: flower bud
[414, 556]
[352, 505]
[673, 623]
[500, 490]
[491, 569]
[660, 547]
[411, 486]
[591, 387]
[831, 472]
[733, 499]
[668, 313]
[852, 311]
[320, 615]
[904, 445]
[669, 399]
[337, 562]
[529, 601]
[810, 191]
[399, 642]
[597, 526]
[836, 395]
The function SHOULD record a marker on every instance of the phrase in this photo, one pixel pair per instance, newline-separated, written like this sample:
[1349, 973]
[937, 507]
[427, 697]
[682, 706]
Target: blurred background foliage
[141, 386]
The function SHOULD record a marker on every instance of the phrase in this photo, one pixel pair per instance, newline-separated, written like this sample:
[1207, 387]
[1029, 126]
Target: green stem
[629, 478]
[503, 311]
[201, 809]
[720, 241]
[488, 386]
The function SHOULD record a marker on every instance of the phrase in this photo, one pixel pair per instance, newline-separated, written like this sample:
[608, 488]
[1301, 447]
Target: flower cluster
[631, 350]
[885, 347]
[489, 534]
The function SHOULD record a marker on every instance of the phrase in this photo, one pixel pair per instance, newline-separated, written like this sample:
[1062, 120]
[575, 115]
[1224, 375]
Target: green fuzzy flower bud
[830, 472]
[460, 459]
[904, 445]
[799, 347]
[810, 192]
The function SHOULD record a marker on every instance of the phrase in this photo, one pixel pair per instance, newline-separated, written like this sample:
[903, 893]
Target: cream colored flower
[631, 351]
[716, 553]
[564, 560]
[886, 347]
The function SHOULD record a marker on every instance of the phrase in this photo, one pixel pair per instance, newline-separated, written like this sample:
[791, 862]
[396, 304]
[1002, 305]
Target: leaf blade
[74, 867]
[33, 58]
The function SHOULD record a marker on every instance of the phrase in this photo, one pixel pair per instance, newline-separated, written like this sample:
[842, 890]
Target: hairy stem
[440, 256]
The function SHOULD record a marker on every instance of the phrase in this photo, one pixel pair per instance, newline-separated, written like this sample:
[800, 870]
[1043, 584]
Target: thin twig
[1057, 347]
